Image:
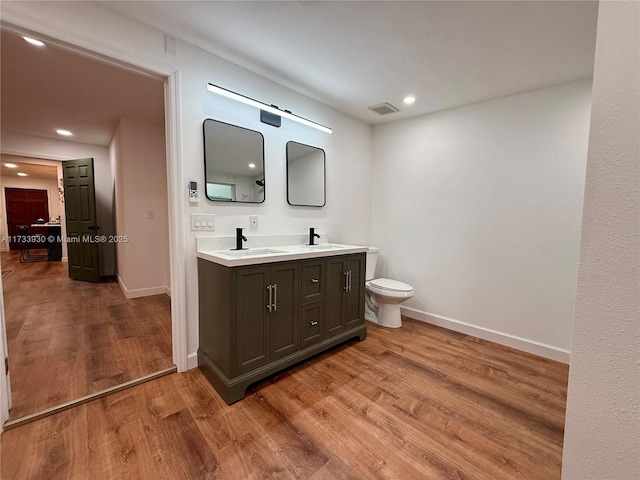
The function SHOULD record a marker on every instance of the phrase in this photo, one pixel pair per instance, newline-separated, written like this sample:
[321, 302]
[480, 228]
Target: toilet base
[382, 313]
[388, 315]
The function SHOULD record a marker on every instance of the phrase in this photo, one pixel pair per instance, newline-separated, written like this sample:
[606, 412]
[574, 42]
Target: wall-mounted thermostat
[193, 192]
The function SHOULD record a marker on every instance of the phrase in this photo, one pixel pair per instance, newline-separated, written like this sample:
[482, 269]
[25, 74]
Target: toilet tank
[372, 259]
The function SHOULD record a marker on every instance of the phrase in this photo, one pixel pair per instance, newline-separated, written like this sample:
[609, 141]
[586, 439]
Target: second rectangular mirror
[305, 175]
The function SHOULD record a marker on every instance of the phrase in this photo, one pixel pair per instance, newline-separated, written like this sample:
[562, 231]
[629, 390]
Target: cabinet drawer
[311, 320]
[312, 282]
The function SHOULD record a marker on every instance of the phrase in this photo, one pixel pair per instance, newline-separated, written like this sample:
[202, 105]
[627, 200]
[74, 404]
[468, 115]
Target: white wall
[54, 149]
[479, 209]
[347, 215]
[602, 433]
[139, 170]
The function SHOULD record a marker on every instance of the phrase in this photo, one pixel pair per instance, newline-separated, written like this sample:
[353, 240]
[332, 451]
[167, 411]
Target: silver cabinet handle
[314, 280]
[269, 305]
[347, 287]
[313, 323]
[275, 297]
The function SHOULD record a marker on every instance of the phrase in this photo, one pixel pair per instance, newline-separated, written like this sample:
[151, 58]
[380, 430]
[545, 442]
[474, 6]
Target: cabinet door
[336, 282]
[312, 281]
[284, 313]
[354, 296]
[311, 323]
[252, 317]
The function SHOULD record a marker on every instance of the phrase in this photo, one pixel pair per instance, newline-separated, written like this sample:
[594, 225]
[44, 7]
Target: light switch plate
[253, 222]
[202, 222]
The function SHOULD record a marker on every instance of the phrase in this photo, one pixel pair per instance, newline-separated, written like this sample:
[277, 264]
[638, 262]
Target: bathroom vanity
[265, 309]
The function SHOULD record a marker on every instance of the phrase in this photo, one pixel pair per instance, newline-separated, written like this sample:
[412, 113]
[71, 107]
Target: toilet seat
[390, 288]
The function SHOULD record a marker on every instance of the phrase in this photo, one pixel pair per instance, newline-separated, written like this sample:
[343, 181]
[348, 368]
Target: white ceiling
[349, 55]
[33, 170]
[46, 88]
[352, 55]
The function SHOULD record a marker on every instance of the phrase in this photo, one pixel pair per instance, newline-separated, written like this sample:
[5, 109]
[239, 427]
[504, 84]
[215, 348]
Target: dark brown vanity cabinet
[345, 293]
[257, 320]
[266, 314]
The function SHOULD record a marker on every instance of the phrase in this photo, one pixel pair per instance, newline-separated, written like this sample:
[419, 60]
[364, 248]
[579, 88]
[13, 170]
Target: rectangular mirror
[305, 175]
[233, 163]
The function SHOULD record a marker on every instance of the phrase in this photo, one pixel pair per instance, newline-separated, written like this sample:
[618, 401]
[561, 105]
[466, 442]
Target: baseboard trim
[192, 360]
[519, 343]
[140, 292]
[167, 291]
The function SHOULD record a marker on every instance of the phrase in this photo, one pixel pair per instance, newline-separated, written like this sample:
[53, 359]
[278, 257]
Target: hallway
[67, 339]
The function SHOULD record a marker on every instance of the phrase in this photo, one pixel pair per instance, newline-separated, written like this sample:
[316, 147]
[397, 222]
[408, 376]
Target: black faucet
[312, 234]
[239, 238]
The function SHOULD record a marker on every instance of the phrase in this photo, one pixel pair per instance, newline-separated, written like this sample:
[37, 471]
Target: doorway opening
[69, 340]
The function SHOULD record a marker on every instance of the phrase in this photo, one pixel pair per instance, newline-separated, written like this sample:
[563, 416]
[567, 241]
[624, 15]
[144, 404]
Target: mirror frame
[204, 138]
[324, 173]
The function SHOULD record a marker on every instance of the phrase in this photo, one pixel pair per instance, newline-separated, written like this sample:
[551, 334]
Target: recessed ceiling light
[409, 99]
[64, 133]
[252, 165]
[11, 165]
[22, 174]
[33, 41]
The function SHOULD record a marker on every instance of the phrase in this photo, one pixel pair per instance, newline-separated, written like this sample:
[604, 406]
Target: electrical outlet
[253, 222]
[202, 221]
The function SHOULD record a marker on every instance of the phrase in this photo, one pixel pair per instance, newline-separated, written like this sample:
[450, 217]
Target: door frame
[19, 23]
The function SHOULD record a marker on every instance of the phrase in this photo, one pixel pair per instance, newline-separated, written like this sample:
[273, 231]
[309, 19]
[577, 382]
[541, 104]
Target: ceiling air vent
[383, 108]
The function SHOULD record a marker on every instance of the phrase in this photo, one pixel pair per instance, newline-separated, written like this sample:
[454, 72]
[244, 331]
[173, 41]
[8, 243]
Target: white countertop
[277, 253]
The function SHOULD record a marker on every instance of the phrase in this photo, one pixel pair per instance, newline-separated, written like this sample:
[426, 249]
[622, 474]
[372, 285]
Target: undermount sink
[321, 246]
[251, 252]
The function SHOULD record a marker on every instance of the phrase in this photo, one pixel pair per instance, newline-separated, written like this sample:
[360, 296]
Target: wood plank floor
[67, 339]
[420, 402]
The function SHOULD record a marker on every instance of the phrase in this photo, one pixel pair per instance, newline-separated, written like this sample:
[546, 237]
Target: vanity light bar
[267, 108]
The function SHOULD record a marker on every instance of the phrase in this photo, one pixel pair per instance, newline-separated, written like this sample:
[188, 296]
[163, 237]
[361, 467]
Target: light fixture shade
[267, 108]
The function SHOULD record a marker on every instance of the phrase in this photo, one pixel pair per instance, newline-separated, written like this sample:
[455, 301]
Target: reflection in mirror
[305, 175]
[233, 163]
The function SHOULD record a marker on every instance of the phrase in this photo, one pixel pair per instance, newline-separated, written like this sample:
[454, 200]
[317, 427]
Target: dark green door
[82, 228]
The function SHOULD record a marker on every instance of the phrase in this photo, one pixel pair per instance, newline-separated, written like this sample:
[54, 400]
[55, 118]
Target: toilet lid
[391, 285]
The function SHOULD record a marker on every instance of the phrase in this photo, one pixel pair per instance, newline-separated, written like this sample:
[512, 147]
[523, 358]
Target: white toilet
[383, 296]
